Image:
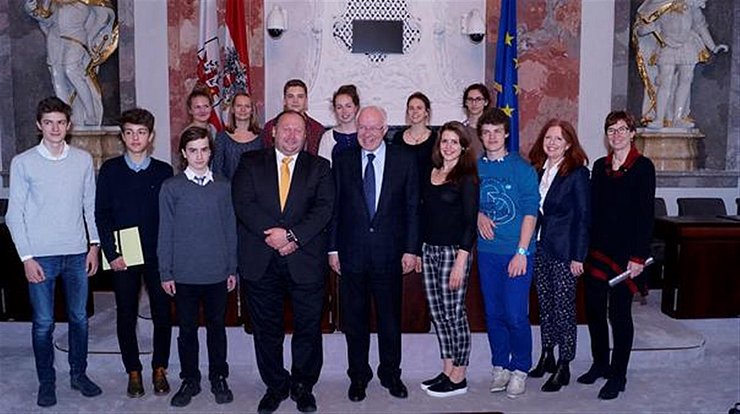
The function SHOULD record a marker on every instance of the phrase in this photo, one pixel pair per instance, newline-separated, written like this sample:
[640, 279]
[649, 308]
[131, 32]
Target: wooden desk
[702, 258]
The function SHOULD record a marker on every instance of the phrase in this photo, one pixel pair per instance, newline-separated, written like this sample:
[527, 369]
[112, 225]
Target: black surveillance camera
[275, 33]
[476, 37]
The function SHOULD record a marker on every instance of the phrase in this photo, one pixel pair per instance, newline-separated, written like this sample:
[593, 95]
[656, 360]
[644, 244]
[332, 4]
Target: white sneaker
[500, 379]
[517, 385]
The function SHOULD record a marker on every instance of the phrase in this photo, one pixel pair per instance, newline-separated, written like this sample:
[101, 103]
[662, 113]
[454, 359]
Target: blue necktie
[201, 180]
[368, 184]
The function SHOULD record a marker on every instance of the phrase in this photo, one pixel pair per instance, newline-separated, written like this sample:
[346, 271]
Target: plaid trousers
[446, 306]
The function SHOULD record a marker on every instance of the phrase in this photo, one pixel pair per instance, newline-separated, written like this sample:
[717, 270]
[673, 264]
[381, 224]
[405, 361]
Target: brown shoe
[159, 379]
[135, 386]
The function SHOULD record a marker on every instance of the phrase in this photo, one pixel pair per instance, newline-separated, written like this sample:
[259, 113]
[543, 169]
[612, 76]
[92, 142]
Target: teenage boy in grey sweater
[51, 218]
[197, 261]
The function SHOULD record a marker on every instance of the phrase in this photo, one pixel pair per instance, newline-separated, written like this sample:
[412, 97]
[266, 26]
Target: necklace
[416, 139]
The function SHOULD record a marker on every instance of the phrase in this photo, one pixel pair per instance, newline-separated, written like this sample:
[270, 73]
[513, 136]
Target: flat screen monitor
[377, 36]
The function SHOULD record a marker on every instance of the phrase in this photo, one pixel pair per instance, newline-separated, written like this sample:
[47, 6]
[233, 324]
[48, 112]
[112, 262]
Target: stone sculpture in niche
[80, 36]
[670, 37]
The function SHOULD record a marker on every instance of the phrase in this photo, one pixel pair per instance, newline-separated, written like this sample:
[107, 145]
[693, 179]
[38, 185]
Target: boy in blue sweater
[51, 217]
[509, 199]
[128, 196]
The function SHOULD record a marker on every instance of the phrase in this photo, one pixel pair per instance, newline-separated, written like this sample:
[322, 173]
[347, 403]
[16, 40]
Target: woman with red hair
[562, 244]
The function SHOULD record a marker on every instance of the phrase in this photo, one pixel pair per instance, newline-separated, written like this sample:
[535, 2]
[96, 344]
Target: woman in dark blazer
[562, 244]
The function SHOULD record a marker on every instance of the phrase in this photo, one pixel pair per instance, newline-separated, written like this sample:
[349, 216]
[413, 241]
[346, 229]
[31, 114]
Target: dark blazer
[381, 240]
[307, 212]
[566, 219]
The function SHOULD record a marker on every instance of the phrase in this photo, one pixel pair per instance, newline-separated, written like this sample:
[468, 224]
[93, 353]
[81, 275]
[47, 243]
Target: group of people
[274, 207]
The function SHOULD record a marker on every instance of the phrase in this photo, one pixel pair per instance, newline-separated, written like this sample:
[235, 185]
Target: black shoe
[85, 386]
[559, 379]
[545, 364]
[436, 380]
[396, 387]
[188, 389]
[47, 395]
[611, 389]
[221, 391]
[447, 388]
[356, 391]
[593, 373]
[305, 402]
[270, 402]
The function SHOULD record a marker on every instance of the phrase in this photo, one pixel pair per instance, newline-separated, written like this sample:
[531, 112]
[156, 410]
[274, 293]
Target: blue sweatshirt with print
[508, 192]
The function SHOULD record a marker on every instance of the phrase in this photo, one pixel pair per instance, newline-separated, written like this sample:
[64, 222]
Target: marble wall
[7, 123]
[549, 62]
[182, 37]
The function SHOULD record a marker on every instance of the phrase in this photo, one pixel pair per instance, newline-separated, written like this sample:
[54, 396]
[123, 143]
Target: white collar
[41, 148]
[190, 174]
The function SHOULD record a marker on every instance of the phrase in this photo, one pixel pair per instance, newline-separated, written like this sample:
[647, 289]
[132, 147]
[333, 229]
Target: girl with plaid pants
[449, 213]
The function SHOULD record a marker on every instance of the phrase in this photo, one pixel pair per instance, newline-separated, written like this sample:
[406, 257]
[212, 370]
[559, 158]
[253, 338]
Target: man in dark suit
[375, 238]
[283, 198]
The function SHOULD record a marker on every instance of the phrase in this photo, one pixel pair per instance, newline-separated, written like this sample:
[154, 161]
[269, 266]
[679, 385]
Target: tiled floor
[677, 366]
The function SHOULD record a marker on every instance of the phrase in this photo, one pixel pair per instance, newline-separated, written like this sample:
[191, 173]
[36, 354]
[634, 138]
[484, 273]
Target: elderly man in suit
[283, 198]
[375, 239]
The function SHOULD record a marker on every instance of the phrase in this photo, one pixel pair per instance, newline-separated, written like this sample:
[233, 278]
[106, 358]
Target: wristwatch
[291, 236]
[522, 251]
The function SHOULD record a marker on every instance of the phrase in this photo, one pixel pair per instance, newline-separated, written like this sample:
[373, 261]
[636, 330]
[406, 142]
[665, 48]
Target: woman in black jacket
[622, 201]
[562, 244]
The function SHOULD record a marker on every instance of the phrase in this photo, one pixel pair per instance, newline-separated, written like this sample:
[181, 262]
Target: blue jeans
[71, 270]
[506, 302]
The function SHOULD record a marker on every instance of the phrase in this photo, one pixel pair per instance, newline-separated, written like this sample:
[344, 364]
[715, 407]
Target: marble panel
[733, 121]
[7, 118]
[254, 10]
[621, 50]
[29, 74]
[549, 59]
[127, 60]
[182, 28]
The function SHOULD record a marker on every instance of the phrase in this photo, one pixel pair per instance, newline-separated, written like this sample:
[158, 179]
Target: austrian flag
[223, 61]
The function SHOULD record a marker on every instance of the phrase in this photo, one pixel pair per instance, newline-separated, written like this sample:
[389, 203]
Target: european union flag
[505, 77]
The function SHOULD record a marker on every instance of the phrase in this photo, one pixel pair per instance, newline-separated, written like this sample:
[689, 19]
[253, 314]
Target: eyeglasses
[363, 128]
[476, 99]
[615, 131]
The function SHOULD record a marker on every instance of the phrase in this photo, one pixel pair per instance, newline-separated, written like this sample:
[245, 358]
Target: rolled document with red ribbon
[626, 274]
